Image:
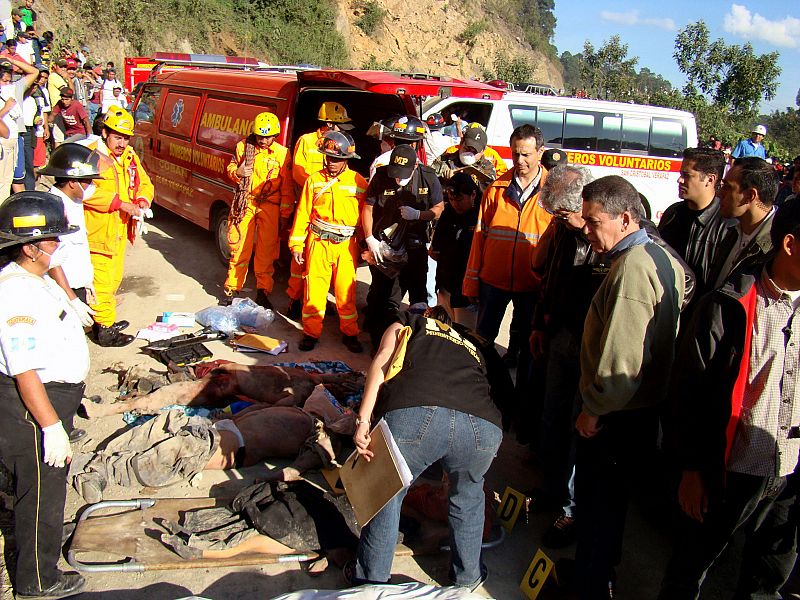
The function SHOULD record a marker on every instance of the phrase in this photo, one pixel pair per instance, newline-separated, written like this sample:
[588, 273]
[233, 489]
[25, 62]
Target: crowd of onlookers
[48, 93]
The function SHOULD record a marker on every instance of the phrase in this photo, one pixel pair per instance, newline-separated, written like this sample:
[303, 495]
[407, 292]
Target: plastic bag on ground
[242, 314]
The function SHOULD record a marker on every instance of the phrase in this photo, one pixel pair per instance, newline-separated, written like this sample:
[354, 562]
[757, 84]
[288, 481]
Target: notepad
[252, 342]
[371, 485]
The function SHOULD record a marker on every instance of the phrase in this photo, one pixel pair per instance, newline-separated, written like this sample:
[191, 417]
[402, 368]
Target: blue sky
[649, 28]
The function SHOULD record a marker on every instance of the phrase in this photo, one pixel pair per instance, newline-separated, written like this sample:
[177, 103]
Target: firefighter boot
[109, 337]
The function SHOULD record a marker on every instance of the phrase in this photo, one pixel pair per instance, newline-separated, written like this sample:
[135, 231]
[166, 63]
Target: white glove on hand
[409, 213]
[375, 247]
[83, 311]
[56, 445]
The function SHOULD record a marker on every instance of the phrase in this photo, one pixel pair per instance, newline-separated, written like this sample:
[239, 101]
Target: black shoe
[562, 533]
[295, 310]
[307, 344]
[77, 435]
[120, 325]
[68, 584]
[262, 299]
[228, 296]
[351, 343]
[108, 337]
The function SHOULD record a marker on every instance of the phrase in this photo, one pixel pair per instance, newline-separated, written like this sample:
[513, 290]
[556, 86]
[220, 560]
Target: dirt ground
[174, 268]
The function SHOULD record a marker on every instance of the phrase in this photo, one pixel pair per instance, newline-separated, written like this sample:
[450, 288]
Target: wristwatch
[359, 421]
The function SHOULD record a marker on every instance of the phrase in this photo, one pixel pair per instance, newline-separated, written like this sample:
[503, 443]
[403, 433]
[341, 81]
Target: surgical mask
[402, 182]
[58, 257]
[88, 191]
[467, 158]
[385, 146]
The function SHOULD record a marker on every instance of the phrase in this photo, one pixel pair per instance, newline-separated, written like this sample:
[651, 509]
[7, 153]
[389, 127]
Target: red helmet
[435, 121]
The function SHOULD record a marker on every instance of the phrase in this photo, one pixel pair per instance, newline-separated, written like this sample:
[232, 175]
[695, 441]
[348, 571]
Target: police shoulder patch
[21, 319]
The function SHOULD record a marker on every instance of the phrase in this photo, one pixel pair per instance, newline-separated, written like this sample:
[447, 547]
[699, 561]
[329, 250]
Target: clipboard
[251, 342]
[371, 485]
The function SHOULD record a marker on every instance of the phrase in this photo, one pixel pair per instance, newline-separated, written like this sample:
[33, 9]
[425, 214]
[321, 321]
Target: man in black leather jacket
[695, 228]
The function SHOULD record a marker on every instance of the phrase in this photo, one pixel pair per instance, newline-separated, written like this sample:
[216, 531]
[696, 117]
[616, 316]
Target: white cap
[759, 129]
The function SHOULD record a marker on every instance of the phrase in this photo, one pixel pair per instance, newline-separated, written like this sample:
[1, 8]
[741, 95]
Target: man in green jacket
[626, 355]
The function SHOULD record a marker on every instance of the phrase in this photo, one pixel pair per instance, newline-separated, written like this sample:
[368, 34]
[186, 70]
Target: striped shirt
[771, 406]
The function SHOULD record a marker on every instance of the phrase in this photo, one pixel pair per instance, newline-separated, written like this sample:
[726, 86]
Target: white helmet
[760, 130]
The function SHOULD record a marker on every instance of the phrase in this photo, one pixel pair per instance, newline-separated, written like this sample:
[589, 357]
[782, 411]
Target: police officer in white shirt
[44, 359]
[74, 166]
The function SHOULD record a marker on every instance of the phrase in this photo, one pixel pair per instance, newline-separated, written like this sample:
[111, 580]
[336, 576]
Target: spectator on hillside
[8, 137]
[17, 90]
[94, 93]
[83, 55]
[25, 47]
[46, 47]
[42, 98]
[116, 100]
[76, 120]
[14, 25]
[76, 79]
[28, 14]
[11, 53]
[107, 88]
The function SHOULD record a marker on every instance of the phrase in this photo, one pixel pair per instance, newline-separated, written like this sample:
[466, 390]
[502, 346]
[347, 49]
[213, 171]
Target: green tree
[607, 72]
[732, 78]
[784, 130]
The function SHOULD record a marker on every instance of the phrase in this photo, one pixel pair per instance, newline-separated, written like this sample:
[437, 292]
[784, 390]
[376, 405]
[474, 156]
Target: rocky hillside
[416, 36]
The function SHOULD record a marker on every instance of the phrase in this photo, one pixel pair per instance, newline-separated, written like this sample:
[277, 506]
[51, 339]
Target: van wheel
[219, 229]
[648, 212]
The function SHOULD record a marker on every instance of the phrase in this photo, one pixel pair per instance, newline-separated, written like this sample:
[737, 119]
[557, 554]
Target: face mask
[466, 157]
[58, 257]
[88, 192]
[385, 147]
[402, 182]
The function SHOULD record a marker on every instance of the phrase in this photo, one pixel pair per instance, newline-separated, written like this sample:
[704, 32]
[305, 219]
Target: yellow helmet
[266, 124]
[120, 120]
[333, 112]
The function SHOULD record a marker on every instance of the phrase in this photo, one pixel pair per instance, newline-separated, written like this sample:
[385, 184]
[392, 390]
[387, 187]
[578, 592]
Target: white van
[644, 144]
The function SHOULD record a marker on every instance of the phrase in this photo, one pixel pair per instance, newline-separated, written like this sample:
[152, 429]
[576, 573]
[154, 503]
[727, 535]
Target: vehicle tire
[219, 231]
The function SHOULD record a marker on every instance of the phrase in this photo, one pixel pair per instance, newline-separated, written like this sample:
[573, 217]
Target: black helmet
[408, 128]
[435, 121]
[73, 161]
[338, 144]
[29, 216]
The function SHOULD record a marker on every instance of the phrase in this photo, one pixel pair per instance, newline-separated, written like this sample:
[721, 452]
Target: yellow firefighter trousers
[259, 228]
[107, 277]
[326, 259]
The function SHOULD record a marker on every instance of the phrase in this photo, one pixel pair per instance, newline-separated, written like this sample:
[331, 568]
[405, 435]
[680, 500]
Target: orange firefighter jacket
[339, 203]
[307, 157]
[123, 180]
[271, 180]
[505, 238]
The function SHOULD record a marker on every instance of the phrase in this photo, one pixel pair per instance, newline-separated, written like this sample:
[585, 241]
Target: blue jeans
[466, 446]
[492, 309]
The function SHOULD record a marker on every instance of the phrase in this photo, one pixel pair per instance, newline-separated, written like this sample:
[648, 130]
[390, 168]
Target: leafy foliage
[284, 31]
[607, 72]
[471, 32]
[372, 15]
[515, 70]
[731, 77]
[534, 17]
[373, 64]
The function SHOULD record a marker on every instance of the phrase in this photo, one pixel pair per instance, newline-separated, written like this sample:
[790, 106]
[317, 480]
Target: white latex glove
[141, 226]
[56, 445]
[83, 311]
[409, 213]
[375, 247]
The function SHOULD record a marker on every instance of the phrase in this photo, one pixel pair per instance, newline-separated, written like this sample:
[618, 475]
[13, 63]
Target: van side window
[668, 138]
[470, 112]
[551, 122]
[608, 139]
[579, 130]
[148, 103]
[522, 115]
[635, 133]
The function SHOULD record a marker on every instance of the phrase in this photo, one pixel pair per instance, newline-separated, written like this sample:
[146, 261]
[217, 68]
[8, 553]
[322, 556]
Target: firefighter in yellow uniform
[323, 240]
[262, 206]
[307, 161]
[123, 192]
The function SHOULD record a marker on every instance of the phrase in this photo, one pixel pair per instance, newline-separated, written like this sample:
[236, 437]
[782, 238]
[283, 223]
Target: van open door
[402, 84]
